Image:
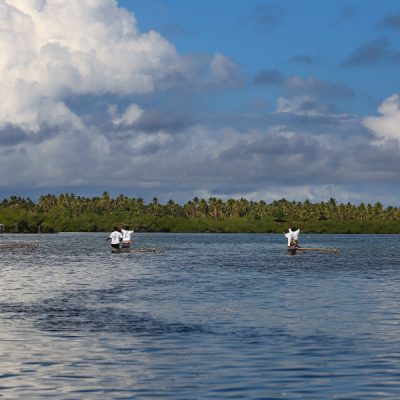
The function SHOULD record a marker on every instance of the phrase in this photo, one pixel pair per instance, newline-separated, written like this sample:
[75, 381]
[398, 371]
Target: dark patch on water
[68, 313]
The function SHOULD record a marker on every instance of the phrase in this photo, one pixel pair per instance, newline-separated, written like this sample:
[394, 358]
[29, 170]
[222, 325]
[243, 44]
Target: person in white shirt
[292, 236]
[126, 237]
[115, 238]
[295, 234]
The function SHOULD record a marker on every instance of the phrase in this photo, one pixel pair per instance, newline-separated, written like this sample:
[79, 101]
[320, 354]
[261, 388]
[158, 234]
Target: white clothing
[115, 237]
[292, 235]
[295, 234]
[289, 238]
[126, 235]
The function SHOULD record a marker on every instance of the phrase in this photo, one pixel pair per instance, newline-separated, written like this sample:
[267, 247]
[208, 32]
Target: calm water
[209, 317]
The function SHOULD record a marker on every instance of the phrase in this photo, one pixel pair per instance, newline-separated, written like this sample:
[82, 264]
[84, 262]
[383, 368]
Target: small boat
[26, 246]
[134, 250]
[324, 249]
[120, 250]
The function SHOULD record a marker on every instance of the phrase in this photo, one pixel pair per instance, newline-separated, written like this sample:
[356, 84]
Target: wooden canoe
[134, 250]
[26, 246]
[324, 249]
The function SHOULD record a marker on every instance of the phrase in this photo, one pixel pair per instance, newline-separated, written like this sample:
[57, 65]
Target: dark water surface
[212, 316]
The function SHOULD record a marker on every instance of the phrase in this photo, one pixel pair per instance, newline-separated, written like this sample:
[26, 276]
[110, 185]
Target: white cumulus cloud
[387, 125]
[53, 49]
[130, 116]
[59, 55]
[224, 71]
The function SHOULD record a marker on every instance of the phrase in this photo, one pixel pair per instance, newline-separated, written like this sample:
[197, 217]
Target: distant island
[72, 213]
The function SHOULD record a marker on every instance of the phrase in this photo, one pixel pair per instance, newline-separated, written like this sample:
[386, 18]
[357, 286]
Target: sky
[176, 99]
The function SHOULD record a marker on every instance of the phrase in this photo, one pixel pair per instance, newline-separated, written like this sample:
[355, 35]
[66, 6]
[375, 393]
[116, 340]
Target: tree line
[69, 212]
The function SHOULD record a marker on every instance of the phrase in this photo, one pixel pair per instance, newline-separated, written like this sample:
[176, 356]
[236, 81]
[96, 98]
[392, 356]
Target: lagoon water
[209, 316]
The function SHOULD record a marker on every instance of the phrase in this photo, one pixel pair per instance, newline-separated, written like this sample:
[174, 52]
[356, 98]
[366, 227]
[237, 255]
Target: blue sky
[176, 99]
[304, 38]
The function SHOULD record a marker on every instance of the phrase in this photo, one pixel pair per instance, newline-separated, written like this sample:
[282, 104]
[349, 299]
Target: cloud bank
[56, 49]
[88, 101]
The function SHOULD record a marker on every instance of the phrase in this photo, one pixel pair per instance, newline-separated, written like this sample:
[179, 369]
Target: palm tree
[203, 208]
[214, 207]
[189, 209]
[105, 201]
[172, 208]
[231, 207]
[155, 207]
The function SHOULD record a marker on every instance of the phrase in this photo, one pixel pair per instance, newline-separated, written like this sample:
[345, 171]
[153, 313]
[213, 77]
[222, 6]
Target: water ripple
[213, 316]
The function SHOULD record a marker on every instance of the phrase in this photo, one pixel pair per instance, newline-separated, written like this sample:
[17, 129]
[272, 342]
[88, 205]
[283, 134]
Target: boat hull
[136, 250]
[122, 250]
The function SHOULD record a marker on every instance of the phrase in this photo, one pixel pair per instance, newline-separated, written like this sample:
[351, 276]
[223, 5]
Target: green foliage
[68, 212]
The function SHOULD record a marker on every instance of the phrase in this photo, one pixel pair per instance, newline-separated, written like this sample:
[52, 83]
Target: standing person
[126, 237]
[295, 235]
[115, 237]
[293, 239]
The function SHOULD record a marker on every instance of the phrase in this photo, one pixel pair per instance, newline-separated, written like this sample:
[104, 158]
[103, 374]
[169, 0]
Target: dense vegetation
[68, 212]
